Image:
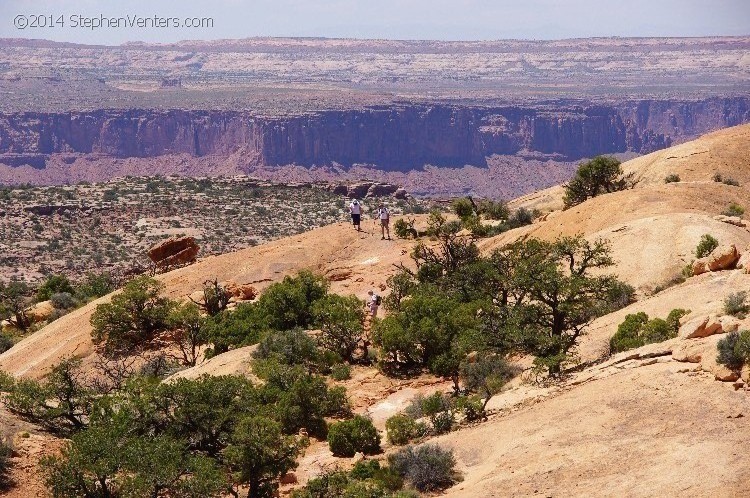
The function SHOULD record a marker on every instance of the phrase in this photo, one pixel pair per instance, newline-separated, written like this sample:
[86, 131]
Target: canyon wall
[394, 138]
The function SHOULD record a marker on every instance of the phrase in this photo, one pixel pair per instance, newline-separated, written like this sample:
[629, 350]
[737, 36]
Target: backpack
[378, 299]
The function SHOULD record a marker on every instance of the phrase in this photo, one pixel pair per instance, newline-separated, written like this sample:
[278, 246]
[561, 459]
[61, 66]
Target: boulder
[722, 258]
[702, 326]
[40, 312]
[288, 478]
[732, 220]
[400, 194]
[174, 251]
[340, 190]
[744, 262]
[381, 190]
[359, 190]
[696, 350]
[242, 292]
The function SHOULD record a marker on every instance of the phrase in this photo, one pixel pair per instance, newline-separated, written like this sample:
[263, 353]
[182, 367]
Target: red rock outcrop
[398, 137]
[174, 251]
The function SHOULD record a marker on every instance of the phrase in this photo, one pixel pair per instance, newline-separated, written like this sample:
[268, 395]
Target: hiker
[373, 302]
[385, 221]
[356, 210]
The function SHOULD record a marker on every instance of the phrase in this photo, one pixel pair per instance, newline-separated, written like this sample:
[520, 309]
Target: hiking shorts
[355, 218]
[384, 222]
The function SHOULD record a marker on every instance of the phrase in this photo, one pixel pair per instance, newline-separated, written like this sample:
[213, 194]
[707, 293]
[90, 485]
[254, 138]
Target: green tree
[13, 303]
[187, 335]
[290, 347]
[348, 437]
[431, 330]
[215, 298]
[260, 454]
[95, 285]
[601, 175]
[558, 296]
[61, 403]
[243, 326]
[133, 319]
[53, 285]
[288, 304]
[341, 322]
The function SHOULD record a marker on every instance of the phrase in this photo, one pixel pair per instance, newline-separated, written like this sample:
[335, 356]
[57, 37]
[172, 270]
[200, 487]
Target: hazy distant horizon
[403, 20]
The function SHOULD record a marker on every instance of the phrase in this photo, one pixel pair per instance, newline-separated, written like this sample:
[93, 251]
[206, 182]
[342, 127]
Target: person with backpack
[356, 211]
[385, 221]
[373, 303]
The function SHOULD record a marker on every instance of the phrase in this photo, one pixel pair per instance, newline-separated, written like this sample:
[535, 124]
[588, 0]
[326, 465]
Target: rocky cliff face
[394, 138]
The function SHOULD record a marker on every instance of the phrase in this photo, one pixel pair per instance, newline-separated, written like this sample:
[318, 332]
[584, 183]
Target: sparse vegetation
[5, 465]
[734, 350]
[638, 330]
[427, 467]
[128, 215]
[672, 178]
[706, 246]
[734, 209]
[735, 304]
[601, 175]
[400, 429]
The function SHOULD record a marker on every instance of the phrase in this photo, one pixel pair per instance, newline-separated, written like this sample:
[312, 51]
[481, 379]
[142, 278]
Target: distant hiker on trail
[385, 220]
[373, 303]
[356, 210]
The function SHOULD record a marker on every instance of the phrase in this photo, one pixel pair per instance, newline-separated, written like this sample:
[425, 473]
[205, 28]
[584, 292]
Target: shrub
[350, 436]
[628, 333]
[95, 285]
[337, 402]
[341, 372]
[427, 467]
[289, 303]
[494, 210]
[729, 352]
[734, 209]
[673, 319]
[63, 301]
[6, 343]
[289, 347]
[5, 453]
[405, 229]
[718, 178]
[736, 304]
[522, 217]
[463, 207]
[672, 178]
[656, 330]
[730, 181]
[400, 429]
[706, 246]
[443, 422]
[486, 375]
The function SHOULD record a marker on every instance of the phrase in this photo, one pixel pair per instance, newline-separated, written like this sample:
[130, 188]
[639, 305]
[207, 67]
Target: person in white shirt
[385, 220]
[373, 302]
[356, 211]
